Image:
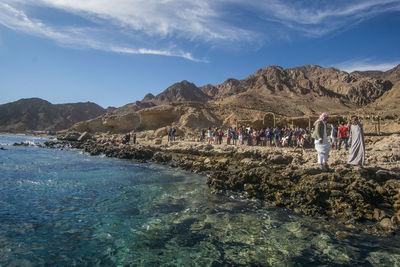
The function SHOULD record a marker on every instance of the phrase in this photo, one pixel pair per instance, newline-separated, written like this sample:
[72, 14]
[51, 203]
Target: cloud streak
[144, 51]
[315, 21]
[74, 36]
[365, 64]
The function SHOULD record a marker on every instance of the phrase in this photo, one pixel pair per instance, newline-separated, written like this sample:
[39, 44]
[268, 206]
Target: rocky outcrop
[187, 116]
[146, 119]
[35, 114]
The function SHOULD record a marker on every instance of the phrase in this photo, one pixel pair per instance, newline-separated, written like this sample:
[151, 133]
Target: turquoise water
[65, 208]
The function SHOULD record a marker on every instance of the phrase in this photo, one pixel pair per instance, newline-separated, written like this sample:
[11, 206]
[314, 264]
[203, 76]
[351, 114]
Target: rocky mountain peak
[148, 97]
[209, 90]
[181, 91]
[269, 72]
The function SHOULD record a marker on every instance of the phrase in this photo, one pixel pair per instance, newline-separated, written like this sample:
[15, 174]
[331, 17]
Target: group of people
[127, 138]
[352, 136]
[340, 135]
[279, 137]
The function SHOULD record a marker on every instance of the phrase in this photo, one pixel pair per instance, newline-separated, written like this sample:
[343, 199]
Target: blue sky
[114, 52]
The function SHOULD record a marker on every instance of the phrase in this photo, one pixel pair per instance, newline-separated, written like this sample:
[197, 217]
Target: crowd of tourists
[348, 134]
[279, 137]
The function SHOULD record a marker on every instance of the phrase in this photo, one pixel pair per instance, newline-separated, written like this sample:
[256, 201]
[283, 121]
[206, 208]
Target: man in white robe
[321, 140]
[356, 141]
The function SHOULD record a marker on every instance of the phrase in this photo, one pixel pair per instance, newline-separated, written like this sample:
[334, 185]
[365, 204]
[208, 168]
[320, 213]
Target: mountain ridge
[304, 91]
[293, 92]
[274, 83]
[36, 114]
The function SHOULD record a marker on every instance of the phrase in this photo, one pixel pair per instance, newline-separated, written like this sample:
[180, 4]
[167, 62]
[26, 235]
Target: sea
[62, 207]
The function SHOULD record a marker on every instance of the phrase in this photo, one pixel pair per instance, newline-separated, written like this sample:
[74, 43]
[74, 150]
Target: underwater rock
[387, 224]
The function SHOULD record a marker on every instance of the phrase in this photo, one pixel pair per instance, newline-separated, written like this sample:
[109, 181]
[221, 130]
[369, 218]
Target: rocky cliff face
[37, 114]
[388, 105]
[306, 80]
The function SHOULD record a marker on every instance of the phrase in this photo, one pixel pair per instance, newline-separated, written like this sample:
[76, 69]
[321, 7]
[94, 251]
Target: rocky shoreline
[366, 198]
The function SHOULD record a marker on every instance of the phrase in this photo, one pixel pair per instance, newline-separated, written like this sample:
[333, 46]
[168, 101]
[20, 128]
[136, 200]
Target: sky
[115, 52]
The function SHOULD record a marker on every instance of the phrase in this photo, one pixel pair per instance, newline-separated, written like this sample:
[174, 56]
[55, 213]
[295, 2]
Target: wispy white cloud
[189, 19]
[318, 18]
[74, 36]
[365, 64]
[144, 51]
[169, 27]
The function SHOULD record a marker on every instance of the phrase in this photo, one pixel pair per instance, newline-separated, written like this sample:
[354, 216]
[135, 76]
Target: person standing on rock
[220, 134]
[203, 135]
[357, 145]
[209, 135]
[169, 134]
[228, 136]
[173, 131]
[343, 136]
[334, 134]
[215, 136]
[126, 139]
[234, 136]
[321, 140]
[241, 135]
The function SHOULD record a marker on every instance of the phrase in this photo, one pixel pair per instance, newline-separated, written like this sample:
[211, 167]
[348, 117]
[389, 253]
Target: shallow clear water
[63, 208]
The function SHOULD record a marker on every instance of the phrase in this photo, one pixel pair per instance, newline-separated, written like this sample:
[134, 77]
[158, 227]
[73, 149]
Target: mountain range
[35, 114]
[295, 91]
[301, 91]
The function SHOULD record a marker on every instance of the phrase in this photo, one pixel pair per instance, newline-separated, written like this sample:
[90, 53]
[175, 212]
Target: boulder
[387, 224]
[281, 159]
[71, 136]
[396, 219]
[223, 161]
[162, 157]
[161, 132]
[382, 175]
[379, 215]
[84, 136]
[158, 141]
[208, 147]
[247, 161]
